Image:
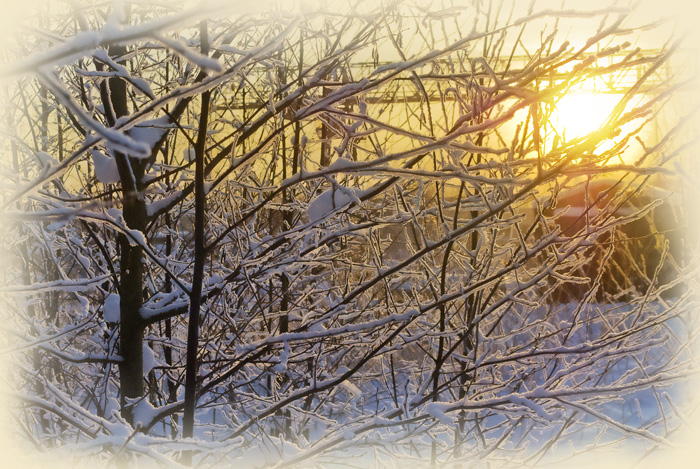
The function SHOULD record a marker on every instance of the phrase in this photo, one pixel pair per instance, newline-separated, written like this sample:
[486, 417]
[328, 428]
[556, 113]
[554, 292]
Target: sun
[579, 113]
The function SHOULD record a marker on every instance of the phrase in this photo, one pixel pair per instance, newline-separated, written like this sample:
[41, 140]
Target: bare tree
[365, 234]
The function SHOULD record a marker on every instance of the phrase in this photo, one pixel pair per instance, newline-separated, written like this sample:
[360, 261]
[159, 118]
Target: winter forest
[349, 234]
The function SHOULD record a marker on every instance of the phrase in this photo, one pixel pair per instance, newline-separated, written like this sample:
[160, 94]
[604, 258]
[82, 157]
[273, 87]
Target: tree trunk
[131, 257]
[199, 254]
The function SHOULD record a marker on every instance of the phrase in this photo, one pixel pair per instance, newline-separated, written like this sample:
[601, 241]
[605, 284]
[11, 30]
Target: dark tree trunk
[199, 254]
[131, 257]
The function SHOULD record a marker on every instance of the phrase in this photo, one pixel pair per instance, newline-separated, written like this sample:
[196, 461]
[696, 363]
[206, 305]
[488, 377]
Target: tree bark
[131, 284]
[199, 255]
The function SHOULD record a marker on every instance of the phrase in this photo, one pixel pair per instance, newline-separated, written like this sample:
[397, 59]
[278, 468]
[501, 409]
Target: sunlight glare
[579, 113]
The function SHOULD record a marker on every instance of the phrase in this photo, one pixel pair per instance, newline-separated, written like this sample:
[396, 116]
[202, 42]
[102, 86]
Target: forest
[347, 234]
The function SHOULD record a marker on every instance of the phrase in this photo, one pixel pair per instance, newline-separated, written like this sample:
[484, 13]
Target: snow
[201, 61]
[111, 308]
[62, 54]
[136, 238]
[281, 367]
[148, 313]
[352, 389]
[149, 359]
[56, 285]
[341, 164]
[114, 25]
[189, 154]
[519, 399]
[339, 94]
[105, 167]
[111, 407]
[144, 413]
[437, 411]
[116, 215]
[153, 207]
[387, 67]
[118, 139]
[231, 49]
[333, 199]
[86, 42]
[46, 159]
[119, 70]
[149, 132]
